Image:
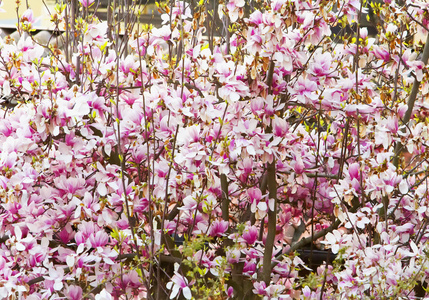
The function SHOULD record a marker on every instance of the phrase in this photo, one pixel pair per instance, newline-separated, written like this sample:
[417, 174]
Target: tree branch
[225, 198]
[272, 196]
[128, 256]
[411, 101]
[305, 241]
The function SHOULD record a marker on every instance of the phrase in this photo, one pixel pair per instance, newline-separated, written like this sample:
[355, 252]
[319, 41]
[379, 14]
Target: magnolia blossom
[74, 292]
[28, 17]
[218, 228]
[86, 3]
[103, 295]
[321, 65]
[304, 90]
[234, 9]
[179, 284]
[359, 220]
[250, 235]
[335, 240]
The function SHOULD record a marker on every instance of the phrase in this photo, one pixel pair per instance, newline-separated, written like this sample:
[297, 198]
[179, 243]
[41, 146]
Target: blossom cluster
[160, 171]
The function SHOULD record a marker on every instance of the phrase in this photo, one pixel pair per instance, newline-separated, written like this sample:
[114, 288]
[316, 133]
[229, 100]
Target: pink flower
[381, 53]
[354, 171]
[306, 292]
[218, 228]
[28, 17]
[259, 288]
[21, 244]
[100, 239]
[189, 204]
[8, 160]
[392, 124]
[85, 230]
[71, 186]
[255, 195]
[246, 167]
[86, 3]
[280, 126]
[321, 64]
[188, 135]
[250, 235]
[402, 109]
[179, 284]
[276, 5]
[230, 292]
[249, 268]
[304, 91]
[126, 281]
[235, 8]
[299, 166]
[55, 278]
[74, 292]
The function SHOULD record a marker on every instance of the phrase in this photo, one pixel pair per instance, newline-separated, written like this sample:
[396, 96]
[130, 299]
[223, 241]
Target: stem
[225, 199]
[158, 274]
[307, 240]
[272, 220]
[357, 98]
[131, 220]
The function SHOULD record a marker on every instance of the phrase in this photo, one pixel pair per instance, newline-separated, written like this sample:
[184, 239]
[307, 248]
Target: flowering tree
[171, 163]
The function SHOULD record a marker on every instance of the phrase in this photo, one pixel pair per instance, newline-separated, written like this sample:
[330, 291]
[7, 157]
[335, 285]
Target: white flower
[335, 240]
[179, 283]
[391, 28]
[104, 295]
